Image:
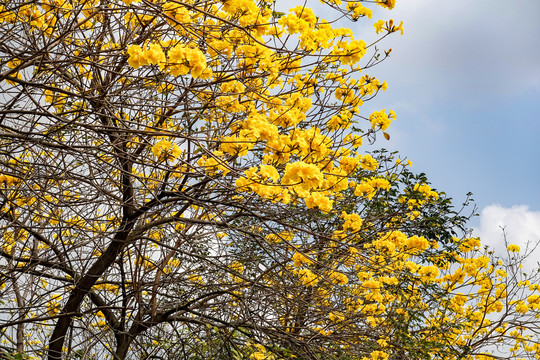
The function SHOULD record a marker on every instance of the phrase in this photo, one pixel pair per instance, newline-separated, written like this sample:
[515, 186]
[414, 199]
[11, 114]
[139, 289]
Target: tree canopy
[186, 180]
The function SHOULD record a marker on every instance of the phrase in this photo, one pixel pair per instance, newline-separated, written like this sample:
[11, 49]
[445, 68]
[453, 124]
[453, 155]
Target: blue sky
[464, 80]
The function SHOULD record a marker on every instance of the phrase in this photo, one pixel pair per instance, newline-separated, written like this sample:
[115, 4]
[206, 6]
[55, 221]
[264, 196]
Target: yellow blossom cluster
[337, 277]
[8, 180]
[357, 10]
[153, 55]
[165, 150]
[247, 13]
[353, 222]
[425, 190]
[300, 259]
[180, 59]
[368, 187]
[380, 120]
[183, 60]
[349, 52]
[417, 243]
[53, 305]
[177, 14]
[300, 20]
[307, 277]
[387, 3]
[369, 163]
[388, 26]
[513, 248]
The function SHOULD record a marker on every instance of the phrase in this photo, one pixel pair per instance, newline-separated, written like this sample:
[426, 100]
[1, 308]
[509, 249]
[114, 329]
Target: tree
[184, 180]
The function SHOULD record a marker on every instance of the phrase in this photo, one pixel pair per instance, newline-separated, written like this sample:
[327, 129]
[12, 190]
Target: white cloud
[520, 225]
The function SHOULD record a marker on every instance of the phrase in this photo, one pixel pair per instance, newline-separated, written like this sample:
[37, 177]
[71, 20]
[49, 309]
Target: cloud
[518, 223]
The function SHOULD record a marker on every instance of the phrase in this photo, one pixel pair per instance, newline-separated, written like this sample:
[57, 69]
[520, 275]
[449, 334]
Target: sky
[464, 80]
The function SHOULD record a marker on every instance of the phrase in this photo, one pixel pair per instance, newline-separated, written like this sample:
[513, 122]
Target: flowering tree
[183, 179]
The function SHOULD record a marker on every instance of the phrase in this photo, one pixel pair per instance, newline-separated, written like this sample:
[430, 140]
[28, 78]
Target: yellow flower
[358, 10]
[183, 60]
[136, 57]
[353, 222]
[521, 307]
[365, 189]
[335, 316]
[237, 266]
[308, 278]
[300, 259]
[53, 306]
[307, 176]
[317, 199]
[9, 180]
[371, 285]
[258, 356]
[379, 26]
[236, 145]
[379, 355]
[164, 149]
[348, 163]
[155, 55]
[389, 4]
[338, 278]
[349, 52]
[369, 163]
[417, 243]
[428, 272]
[426, 191]
[513, 248]
[380, 183]
[379, 120]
